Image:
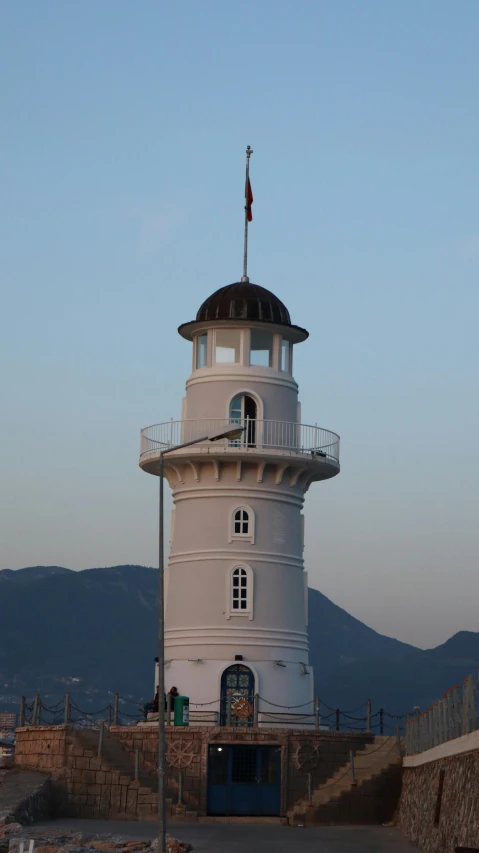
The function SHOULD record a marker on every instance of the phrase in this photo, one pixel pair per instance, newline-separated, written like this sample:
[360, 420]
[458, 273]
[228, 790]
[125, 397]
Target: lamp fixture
[232, 431]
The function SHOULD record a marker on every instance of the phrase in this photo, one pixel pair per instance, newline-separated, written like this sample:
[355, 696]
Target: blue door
[244, 780]
[237, 696]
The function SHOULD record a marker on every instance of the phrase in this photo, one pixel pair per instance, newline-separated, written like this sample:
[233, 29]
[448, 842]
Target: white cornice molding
[296, 467]
[236, 491]
[228, 640]
[243, 374]
[232, 629]
[250, 555]
[234, 635]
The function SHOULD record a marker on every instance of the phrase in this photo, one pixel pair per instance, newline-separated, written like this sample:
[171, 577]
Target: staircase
[116, 757]
[371, 799]
[118, 765]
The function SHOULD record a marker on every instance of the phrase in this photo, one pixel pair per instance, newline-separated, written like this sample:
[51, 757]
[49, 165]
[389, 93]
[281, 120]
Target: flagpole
[249, 152]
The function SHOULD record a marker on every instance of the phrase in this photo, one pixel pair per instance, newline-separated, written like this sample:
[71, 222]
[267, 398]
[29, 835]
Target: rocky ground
[57, 841]
[52, 840]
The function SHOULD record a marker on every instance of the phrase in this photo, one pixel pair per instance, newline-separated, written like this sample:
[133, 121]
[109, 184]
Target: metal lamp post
[231, 432]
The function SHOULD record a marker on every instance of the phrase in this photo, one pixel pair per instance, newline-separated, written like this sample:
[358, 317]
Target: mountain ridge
[99, 626]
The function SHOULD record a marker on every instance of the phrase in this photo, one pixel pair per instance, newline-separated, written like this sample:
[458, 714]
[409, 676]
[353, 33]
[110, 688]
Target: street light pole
[231, 432]
[161, 670]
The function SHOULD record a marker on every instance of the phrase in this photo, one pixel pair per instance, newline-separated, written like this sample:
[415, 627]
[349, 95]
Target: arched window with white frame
[242, 525]
[241, 591]
[241, 522]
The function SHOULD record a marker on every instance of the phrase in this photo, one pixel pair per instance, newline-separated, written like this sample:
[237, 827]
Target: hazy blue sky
[122, 154]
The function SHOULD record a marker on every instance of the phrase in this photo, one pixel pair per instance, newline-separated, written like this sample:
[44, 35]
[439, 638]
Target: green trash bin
[181, 714]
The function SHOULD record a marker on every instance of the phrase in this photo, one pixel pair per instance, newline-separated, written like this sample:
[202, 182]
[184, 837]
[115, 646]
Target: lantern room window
[261, 348]
[227, 346]
[201, 351]
[285, 356]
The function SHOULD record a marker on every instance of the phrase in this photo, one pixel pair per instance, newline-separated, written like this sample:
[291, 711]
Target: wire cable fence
[453, 716]
[238, 709]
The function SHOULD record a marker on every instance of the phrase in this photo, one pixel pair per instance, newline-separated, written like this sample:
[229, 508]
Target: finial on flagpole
[248, 216]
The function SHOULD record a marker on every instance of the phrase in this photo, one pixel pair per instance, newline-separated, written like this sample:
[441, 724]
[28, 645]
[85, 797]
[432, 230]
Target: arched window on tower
[242, 524]
[241, 592]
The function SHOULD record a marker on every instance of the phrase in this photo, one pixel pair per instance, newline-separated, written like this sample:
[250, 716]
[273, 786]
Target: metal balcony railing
[312, 441]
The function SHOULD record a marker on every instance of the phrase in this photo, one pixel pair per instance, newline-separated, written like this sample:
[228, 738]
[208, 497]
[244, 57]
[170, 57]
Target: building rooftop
[242, 301]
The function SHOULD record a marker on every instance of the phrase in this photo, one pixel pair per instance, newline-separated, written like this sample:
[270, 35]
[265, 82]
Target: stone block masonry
[42, 748]
[83, 783]
[439, 805]
[86, 785]
[302, 752]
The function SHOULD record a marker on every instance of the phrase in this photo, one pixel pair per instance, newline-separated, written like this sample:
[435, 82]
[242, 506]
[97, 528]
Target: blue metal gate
[244, 780]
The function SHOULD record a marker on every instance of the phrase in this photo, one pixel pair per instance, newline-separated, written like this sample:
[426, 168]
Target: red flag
[249, 200]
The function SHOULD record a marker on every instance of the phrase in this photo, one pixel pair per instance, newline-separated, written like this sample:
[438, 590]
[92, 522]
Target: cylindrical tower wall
[210, 391]
[200, 622]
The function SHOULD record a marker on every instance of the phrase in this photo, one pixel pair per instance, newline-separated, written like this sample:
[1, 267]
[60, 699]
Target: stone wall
[439, 821]
[41, 748]
[86, 785]
[185, 751]
[321, 753]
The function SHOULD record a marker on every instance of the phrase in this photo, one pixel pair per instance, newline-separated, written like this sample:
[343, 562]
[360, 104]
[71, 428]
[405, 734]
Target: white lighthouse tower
[236, 588]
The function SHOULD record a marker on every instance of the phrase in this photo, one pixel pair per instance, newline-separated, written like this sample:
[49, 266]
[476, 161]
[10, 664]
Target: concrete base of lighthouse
[266, 683]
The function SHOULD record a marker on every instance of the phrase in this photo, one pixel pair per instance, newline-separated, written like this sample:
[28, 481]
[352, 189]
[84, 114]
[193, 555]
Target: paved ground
[255, 838]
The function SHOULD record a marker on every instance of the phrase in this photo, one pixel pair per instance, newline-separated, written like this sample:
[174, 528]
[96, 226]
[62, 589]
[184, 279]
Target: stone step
[240, 819]
[335, 787]
[362, 804]
[370, 762]
[116, 757]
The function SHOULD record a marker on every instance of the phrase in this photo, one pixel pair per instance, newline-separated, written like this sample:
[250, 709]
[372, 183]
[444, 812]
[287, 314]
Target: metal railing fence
[454, 715]
[258, 434]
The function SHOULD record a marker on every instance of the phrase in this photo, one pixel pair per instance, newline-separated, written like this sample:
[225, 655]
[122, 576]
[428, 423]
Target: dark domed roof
[240, 302]
[244, 301]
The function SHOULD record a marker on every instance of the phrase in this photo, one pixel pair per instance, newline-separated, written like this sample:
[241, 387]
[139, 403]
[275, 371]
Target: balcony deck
[261, 438]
